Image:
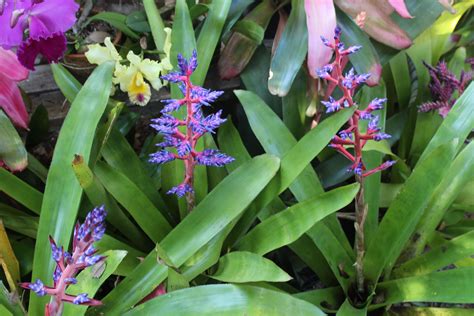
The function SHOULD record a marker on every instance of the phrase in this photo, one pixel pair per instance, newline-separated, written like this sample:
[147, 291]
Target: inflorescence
[69, 264]
[444, 86]
[195, 124]
[348, 83]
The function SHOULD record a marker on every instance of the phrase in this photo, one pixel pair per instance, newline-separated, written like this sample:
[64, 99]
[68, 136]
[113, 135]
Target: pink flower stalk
[12, 72]
[443, 86]
[348, 83]
[68, 264]
[195, 124]
[45, 22]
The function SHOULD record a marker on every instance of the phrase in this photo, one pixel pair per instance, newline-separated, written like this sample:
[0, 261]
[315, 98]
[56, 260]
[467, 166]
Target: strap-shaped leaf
[447, 253]
[63, 193]
[449, 286]
[20, 191]
[405, 211]
[290, 52]
[209, 37]
[287, 226]
[458, 175]
[226, 299]
[243, 266]
[276, 139]
[135, 201]
[222, 205]
[97, 195]
[12, 151]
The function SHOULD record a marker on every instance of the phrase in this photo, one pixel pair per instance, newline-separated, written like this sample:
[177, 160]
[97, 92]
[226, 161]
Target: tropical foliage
[336, 178]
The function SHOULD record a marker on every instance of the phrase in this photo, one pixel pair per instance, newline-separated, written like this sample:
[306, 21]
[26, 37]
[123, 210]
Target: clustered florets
[69, 264]
[348, 83]
[195, 124]
[444, 86]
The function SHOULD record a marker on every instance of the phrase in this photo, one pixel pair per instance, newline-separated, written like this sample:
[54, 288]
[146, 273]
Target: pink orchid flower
[11, 72]
[46, 21]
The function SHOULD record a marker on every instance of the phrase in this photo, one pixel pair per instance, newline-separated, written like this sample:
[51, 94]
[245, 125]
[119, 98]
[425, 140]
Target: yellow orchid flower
[98, 54]
[131, 78]
[165, 60]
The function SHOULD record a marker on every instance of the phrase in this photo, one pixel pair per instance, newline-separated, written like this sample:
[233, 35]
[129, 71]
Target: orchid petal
[401, 8]
[53, 16]
[321, 21]
[11, 67]
[98, 54]
[12, 102]
[52, 48]
[10, 37]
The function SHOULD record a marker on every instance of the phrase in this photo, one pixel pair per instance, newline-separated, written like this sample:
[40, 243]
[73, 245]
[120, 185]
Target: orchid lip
[16, 14]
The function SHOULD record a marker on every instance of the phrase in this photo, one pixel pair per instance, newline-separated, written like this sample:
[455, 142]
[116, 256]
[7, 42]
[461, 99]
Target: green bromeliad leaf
[228, 300]
[243, 266]
[63, 193]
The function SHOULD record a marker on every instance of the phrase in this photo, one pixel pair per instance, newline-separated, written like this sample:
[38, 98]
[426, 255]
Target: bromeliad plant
[352, 136]
[445, 88]
[196, 126]
[266, 233]
[69, 264]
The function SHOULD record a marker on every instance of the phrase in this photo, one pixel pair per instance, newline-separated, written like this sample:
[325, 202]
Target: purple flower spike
[181, 190]
[212, 157]
[56, 252]
[377, 104]
[166, 124]
[69, 265]
[337, 33]
[57, 274]
[373, 124]
[184, 141]
[81, 299]
[364, 115]
[331, 105]
[353, 49]
[352, 136]
[381, 136]
[208, 124]
[325, 72]
[171, 105]
[161, 156]
[38, 288]
[325, 41]
[70, 280]
[174, 77]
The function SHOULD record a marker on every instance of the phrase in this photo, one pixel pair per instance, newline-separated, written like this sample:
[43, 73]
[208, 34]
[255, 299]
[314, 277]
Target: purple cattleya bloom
[68, 265]
[444, 86]
[352, 136]
[38, 19]
[194, 126]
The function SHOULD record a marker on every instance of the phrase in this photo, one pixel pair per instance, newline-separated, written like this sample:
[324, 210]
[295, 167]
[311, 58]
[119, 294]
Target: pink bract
[321, 21]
